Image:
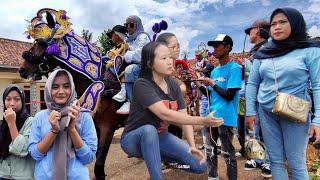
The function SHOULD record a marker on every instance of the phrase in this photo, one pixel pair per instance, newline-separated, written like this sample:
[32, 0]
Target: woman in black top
[157, 102]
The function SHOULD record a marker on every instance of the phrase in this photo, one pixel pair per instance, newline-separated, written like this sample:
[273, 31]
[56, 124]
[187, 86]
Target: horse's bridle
[43, 67]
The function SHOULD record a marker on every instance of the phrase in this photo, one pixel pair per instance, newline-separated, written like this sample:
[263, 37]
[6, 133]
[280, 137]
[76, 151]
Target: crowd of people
[58, 142]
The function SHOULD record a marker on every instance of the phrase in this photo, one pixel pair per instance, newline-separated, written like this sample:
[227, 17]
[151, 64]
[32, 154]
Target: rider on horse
[118, 36]
[137, 38]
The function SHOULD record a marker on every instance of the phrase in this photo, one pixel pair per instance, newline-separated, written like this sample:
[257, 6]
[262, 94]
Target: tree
[104, 42]
[87, 35]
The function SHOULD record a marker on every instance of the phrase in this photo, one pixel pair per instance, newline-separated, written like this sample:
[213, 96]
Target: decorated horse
[56, 45]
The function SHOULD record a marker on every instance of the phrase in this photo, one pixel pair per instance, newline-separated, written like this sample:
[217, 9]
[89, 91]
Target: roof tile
[11, 51]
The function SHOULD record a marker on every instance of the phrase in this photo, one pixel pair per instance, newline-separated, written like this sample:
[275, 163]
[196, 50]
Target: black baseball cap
[221, 39]
[119, 30]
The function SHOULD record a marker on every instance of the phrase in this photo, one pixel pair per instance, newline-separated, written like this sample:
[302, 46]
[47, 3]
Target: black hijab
[297, 40]
[21, 116]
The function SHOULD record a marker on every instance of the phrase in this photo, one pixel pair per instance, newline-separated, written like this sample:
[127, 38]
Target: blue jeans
[285, 140]
[131, 74]
[145, 142]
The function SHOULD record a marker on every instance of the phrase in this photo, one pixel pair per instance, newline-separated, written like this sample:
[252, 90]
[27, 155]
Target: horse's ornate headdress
[56, 27]
[67, 47]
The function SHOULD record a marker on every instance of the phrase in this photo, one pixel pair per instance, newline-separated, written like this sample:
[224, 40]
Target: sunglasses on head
[129, 25]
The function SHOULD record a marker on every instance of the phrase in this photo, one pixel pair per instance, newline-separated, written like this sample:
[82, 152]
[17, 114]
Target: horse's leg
[105, 139]
[106, 124]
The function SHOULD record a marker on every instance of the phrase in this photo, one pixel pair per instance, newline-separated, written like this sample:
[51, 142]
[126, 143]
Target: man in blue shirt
[225, 83]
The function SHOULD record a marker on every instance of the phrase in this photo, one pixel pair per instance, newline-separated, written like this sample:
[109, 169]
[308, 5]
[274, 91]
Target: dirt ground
[120, 167]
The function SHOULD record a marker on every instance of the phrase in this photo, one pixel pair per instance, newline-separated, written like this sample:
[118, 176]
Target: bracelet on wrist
[54, 132]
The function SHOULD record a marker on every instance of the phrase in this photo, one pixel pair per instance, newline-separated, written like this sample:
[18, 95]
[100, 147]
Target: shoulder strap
[276, 89]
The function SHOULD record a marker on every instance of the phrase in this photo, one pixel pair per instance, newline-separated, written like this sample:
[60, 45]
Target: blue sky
[193, 21]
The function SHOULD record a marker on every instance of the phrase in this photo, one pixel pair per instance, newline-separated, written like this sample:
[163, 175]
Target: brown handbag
[290, 106]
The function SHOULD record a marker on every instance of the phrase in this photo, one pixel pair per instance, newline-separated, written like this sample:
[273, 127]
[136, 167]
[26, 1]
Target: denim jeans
[257, 126]
[225, 133]
[131, 74]
[285, 140]
[145, 142]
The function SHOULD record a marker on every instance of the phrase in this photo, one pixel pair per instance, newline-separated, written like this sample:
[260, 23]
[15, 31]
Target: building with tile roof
[10, 62]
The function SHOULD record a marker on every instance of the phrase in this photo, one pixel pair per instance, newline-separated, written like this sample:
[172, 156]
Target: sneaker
[251, 164]
[121, 96]
[124, 109]
[265, 170]
[213, 178]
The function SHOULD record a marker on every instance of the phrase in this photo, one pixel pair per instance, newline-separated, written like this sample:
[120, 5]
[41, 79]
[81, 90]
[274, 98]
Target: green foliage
[316, 165]
[87, 35]
[313, 176]
[104, 42]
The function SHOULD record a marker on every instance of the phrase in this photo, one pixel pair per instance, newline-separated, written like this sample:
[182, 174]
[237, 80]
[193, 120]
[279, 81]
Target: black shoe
[265, 170]
[251, 164]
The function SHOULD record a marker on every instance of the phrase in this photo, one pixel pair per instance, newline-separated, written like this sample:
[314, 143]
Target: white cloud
[314, 7]
[314, 31]
[265, 2]
[191, 20]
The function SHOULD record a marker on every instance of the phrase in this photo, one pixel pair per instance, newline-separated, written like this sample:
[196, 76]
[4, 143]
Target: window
[42, 102]
[27, 93]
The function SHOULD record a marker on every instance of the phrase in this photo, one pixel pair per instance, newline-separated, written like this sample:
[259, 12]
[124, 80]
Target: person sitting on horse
[63, 138]
[157, 102]
[118, 37]
[137, 38]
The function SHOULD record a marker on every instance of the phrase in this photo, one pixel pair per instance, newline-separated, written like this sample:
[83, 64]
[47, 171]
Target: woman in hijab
[15, 163]
[63, 138]
[294, 61]
[137, 38]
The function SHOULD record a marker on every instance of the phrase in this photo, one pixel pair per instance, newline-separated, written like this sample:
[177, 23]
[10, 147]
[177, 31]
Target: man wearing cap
[118, 37]
[259, 34]
[224, 84]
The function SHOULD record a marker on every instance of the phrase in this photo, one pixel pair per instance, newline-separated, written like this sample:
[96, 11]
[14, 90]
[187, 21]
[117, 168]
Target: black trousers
[225, 133]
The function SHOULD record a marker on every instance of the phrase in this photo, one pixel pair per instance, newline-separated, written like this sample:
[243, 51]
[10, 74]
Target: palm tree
[87, 35]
